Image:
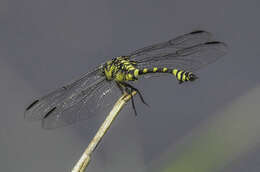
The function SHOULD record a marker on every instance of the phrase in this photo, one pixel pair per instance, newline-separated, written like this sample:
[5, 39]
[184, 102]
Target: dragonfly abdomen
[181, 75]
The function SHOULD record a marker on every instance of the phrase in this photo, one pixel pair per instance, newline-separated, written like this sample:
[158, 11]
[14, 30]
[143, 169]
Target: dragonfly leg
[135, 89]
[121, 87]
[124, 89]
[133, 104]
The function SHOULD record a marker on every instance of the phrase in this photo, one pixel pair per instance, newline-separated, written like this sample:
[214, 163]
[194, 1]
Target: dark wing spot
[31, 105]
[213, 42]
[197, 31]
[49, 112]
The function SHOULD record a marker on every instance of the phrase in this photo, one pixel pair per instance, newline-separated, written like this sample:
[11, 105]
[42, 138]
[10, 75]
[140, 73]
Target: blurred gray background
[209, 125]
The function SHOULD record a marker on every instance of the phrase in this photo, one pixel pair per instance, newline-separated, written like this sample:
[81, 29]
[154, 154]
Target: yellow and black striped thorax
[122, 69]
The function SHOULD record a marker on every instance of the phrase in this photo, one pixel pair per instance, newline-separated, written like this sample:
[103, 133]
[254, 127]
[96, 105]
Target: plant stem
[85, 158]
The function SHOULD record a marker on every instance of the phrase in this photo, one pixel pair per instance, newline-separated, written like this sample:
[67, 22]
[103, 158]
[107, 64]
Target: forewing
[171, 46]
[190, 59]
[63, 97]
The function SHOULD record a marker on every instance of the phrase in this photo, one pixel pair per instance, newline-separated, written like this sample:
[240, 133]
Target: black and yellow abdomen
[181, 75]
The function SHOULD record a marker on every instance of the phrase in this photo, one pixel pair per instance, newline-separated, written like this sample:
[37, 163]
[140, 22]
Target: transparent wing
[190, 59]
[65, 97]
[171, 46]
[98, 99]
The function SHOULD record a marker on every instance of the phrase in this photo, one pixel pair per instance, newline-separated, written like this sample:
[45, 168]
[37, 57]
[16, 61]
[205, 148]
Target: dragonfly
[180, 57]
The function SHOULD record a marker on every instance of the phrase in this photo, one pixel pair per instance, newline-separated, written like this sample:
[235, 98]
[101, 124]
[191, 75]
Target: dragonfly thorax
[120, 69]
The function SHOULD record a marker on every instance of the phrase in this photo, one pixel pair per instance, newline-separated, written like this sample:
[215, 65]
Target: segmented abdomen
[181, 75]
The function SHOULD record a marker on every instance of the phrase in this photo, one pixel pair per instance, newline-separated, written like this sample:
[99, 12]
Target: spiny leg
[138, 92]
[124, 89]
[133, 104]
[121, 87]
